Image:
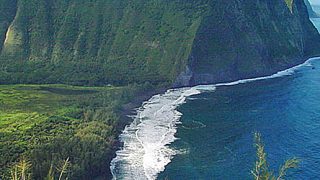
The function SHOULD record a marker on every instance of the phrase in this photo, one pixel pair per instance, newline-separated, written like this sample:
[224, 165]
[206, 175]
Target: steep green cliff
[98, 41]
[250, 38]
[119, 42]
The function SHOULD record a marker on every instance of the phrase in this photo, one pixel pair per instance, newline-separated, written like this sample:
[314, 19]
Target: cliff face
[97, 41]
[181, 42]
[249, 38]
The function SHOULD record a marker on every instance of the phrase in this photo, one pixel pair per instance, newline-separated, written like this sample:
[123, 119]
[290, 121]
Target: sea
[207, 132]
[316, 21]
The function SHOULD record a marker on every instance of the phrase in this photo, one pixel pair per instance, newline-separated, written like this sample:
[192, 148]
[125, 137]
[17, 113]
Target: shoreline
[129, 109]
[125, 113]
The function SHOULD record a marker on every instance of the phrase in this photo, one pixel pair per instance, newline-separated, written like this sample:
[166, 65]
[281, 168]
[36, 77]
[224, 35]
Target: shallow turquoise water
[285, 110]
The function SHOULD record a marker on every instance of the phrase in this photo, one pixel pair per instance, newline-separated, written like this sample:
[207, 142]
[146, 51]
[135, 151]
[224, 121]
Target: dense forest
[47, 124]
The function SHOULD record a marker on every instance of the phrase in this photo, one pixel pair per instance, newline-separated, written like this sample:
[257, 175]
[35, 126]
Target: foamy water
[145, 152]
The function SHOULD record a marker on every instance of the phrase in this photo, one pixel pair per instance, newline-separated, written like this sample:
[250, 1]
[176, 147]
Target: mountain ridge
[172, 42]
[261, 50]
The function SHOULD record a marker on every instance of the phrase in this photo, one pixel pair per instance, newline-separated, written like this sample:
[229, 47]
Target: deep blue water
[285, 110]
[216, 134]
[215, 137]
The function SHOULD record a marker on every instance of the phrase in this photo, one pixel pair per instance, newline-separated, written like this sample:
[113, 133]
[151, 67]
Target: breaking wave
[145, 151]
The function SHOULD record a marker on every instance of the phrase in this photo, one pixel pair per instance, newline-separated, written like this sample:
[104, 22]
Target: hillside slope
[101, 42]
[250, 38]
[96, 42]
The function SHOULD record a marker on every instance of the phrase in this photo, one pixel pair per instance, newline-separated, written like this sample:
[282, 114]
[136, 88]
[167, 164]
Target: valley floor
[49, 123]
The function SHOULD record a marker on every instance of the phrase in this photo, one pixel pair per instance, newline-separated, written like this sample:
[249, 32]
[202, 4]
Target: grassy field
[48, 123]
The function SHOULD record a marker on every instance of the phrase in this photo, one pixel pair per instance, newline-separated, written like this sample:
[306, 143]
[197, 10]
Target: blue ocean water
[206, 132]
[216, 135]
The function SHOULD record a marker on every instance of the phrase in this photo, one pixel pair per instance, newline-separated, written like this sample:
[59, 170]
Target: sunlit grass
[19, 121]
[32, 116]
[290, 5]
[22, 107]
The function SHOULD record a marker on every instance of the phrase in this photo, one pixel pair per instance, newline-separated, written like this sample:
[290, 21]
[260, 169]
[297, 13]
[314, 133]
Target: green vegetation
[97, 42]
[290, 5]
[261, 169]
[22, 170]
[48, 123]
[121, 42]
[101, 42]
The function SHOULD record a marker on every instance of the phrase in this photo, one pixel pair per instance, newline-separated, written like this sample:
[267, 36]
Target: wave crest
[145, 152]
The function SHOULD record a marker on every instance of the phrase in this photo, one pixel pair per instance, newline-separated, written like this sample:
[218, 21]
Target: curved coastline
[145, 151]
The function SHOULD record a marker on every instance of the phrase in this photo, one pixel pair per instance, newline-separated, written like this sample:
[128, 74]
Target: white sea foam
[145, 152]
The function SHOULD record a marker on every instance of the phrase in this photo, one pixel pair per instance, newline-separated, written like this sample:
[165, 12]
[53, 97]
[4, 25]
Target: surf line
[145, 151]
